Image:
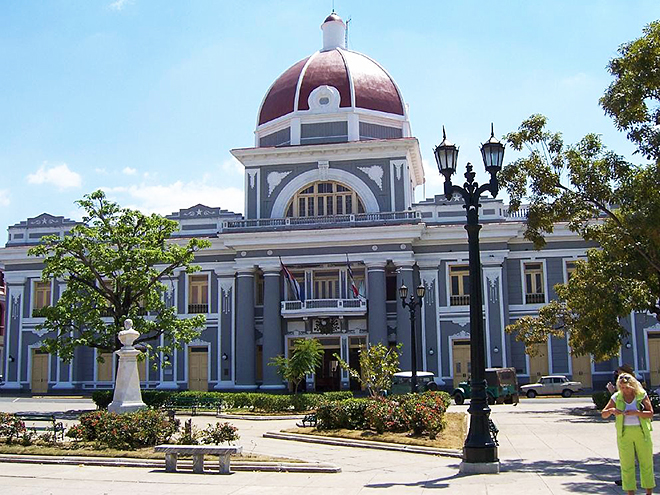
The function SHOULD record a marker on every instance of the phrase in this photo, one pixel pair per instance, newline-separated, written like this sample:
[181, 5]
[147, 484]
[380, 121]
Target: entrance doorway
[354, 344]
[582, 369]
[198, 369]
[654, 358]
[328, 375]
[39, 371]
[538, 364]
[461, 361]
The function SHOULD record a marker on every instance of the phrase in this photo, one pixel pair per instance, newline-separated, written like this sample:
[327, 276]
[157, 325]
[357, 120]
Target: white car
[552, 385]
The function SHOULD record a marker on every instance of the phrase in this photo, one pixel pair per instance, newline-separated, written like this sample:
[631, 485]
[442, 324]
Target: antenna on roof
[346, 34]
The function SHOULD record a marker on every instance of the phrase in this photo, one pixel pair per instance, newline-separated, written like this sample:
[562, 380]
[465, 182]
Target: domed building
[330, 231]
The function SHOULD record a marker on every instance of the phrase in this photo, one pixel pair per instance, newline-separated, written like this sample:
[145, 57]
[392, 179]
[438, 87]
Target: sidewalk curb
[289, 467]
[365, 444]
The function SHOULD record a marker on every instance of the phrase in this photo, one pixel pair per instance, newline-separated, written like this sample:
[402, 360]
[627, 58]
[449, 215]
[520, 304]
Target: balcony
[198, 308]
[354, 220]
[535, 298]
[324, 307]
[462, 300]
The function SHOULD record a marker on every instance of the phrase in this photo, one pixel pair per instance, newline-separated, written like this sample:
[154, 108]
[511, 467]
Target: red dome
[373, 86]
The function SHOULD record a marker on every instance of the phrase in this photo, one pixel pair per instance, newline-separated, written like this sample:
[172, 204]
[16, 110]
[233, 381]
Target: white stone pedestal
[479, 467]
[127, 397]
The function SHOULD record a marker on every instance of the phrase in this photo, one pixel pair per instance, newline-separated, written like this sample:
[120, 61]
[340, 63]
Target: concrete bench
[197, 452]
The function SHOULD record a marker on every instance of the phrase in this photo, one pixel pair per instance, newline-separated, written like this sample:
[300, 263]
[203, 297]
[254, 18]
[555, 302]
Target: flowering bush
[10, 426]
[219, 433]
[425, 413]
[124, 431]
[384, 414]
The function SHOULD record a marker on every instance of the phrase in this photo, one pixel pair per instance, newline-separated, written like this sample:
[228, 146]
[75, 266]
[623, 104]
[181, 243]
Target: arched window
[324, 198]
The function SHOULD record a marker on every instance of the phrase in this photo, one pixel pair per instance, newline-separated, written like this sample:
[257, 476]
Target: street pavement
[547, 446]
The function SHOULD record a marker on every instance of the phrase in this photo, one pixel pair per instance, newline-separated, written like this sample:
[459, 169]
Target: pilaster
[377, 310]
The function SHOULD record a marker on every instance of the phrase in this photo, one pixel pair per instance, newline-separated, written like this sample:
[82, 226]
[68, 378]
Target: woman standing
[633, 413]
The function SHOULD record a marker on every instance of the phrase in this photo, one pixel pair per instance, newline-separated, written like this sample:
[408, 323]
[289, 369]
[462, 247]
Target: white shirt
[631, 420]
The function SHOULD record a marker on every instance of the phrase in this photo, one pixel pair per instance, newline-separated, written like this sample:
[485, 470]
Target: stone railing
[323, 307]
[339, 220]
[519, 214]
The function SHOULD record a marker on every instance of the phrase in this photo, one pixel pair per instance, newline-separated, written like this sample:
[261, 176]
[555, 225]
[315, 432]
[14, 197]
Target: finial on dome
[334, 32]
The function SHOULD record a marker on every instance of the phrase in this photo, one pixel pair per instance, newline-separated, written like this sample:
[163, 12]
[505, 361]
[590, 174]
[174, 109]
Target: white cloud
[58, 175]
[101, 171]
[129, 171]
[4, 197]
[232, 165]
[574, 81]
[119, 4]
[167, 198]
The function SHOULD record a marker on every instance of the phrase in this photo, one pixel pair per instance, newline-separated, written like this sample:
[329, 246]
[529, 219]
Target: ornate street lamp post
[412, 304]
[479, 451]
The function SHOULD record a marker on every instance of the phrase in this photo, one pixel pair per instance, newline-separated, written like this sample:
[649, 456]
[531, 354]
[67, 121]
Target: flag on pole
[291, 280]
[354, 289]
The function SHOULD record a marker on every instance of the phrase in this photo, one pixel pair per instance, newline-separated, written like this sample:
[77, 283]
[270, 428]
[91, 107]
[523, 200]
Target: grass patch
[87, 449]
[452, 437]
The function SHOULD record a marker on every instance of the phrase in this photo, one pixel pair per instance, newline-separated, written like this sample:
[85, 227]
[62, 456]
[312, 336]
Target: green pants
[633, 441]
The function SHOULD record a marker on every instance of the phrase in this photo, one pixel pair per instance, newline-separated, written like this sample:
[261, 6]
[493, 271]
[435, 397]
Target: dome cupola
[346, 90]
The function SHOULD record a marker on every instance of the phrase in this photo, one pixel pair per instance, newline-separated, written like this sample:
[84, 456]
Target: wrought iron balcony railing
[323, 307]
[535, 298]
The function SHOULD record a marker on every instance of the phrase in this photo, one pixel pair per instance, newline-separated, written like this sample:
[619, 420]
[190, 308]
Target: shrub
[10, 426]
[383, 414]
[425, 412]
[219, 433]
[190, 434]
[348, 414]
[124, 431]
[601, 399]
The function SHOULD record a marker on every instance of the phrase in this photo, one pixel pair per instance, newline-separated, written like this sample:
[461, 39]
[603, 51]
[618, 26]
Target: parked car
[554, 384]
[501, 387]
[402, 382]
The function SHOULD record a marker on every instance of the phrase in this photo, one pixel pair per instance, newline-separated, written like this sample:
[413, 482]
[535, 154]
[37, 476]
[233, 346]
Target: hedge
[229, 400]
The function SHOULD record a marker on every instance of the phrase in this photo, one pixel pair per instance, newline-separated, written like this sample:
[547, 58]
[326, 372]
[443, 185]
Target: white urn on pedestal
[127, 397]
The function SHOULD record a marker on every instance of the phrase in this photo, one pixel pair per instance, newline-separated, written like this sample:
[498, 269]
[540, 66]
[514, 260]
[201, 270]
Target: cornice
[379, 148]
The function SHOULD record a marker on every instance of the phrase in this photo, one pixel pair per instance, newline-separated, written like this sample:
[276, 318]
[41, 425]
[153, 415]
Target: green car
[501, 387]
[402, 382]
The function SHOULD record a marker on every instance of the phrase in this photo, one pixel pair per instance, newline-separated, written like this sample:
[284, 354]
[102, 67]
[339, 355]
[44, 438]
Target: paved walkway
[546, 447]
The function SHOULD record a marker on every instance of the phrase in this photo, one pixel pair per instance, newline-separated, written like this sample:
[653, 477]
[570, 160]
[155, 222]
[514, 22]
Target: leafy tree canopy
[115, 266]
[632, 98]
[378, 364]
[307, 355]
[606, 200]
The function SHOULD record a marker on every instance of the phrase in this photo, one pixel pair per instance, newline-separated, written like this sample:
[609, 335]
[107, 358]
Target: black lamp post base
[473, 455]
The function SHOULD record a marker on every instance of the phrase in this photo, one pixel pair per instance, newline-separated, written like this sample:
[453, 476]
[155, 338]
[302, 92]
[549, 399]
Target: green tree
[611, 203]
[378, 364]
[632, 98]
[306, 356]
[113, 265]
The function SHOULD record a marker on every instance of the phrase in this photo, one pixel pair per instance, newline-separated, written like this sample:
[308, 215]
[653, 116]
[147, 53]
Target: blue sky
[146, 98]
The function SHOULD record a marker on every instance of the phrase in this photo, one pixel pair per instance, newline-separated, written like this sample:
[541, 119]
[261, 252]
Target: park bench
[182, 403]
[57, 427]
[307, 421]
[494, 430]
[198, 452]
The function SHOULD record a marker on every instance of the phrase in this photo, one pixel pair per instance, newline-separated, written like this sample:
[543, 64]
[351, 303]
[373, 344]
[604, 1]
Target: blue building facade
[329, 184]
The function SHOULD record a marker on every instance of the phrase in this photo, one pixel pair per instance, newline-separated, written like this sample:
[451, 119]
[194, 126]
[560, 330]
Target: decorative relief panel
[375, 173]
[15, 307]
[226, 286]
[274, 179]
[252, 174]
